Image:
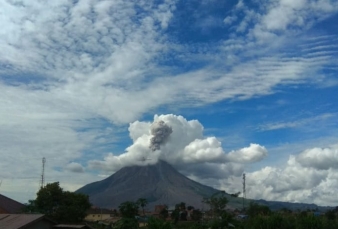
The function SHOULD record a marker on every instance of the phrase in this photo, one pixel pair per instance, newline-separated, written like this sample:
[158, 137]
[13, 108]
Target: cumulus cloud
[66, 64]
[184, 147]
[319, 158]
[309, 177]
[249, 154]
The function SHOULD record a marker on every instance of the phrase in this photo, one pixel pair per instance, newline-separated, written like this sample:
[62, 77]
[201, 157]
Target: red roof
[10, 206]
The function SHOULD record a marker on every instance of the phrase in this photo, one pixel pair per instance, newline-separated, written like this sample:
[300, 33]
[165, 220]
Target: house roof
[9, 205]
[71, 226]
[16, 221]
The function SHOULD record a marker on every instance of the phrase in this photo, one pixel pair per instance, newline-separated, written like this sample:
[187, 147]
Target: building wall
[97, 217]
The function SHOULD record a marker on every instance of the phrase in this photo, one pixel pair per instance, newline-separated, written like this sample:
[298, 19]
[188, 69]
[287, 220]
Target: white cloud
[250, 154]
[300, 122]
[75, 167]
[308, 177]
[319, 158]
[186, 149]
[67, 68]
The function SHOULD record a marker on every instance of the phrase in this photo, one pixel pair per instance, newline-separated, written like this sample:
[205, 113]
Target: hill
[159, 184]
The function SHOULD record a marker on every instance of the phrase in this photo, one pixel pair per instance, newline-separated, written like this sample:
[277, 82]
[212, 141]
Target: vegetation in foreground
[60, 206]
[68, 207]
[259, 217]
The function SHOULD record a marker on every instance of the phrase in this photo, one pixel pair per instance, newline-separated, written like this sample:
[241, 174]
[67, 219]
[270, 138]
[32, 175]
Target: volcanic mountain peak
[159, 184]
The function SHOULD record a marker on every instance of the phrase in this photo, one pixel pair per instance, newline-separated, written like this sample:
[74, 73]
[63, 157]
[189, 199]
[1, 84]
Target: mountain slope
[159, 184]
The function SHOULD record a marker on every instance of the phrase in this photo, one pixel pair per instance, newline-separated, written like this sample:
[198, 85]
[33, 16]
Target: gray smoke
[161, 132]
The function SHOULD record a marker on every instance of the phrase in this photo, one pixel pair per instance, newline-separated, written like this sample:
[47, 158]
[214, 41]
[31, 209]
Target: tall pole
[43, 172]
[244, 193]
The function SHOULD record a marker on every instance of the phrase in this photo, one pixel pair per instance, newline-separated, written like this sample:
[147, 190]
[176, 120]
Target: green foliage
[72, 208]
[164, 213]
[181, 206]
[142, 203]
[199, 225]
[330, 215]
[190, 208]
[62, 206]
[30, 207]
[310, 222]
[126, 223]
[128, 209]
[49, 198]
[154, 223]
[288, 221]
[175, 215]
[196, 215]
[256, 209]
[275, 221]
[217, 204]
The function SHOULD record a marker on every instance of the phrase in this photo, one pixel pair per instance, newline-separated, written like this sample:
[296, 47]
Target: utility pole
[244, 193]
[43, 172]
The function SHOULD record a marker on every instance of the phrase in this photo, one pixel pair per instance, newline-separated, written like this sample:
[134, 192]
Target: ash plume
[161, 132]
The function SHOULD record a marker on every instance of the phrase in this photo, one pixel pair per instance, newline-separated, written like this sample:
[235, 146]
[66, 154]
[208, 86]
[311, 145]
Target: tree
[164, 212]
[126, 223]
[330, 215]
[190, 208]
[235, 194]
[72, 207]
[182, 206]
[49, 198]
[142, 202]
[154, 223]
[217, 203]
[62, 206]
[256, 209]
[196, 215]
[128, 209]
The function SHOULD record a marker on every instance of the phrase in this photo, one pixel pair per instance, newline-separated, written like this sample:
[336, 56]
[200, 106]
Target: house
[9, 206]
[157, 210]
[99, 214]
[25, 221]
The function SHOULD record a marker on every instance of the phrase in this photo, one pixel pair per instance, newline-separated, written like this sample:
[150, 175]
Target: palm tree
[142, 202]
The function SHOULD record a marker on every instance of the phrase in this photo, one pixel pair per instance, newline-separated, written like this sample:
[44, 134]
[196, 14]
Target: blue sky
[82, 82]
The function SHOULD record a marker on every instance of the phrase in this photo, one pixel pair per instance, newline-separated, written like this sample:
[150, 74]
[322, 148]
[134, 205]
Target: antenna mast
[43, 172]
[244, 193]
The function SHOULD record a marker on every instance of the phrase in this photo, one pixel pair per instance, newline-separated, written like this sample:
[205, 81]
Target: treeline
[68, 207]
[217, 217]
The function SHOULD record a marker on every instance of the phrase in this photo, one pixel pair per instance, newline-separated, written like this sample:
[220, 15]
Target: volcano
[159, 184]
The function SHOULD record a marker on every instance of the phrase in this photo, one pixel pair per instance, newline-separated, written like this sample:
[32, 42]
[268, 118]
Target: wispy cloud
[72, 72]
[298, 123]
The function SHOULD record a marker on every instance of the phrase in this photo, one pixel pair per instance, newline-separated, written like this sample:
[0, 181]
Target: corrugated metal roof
[70, 226]
[10, 206]
[15, 221]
